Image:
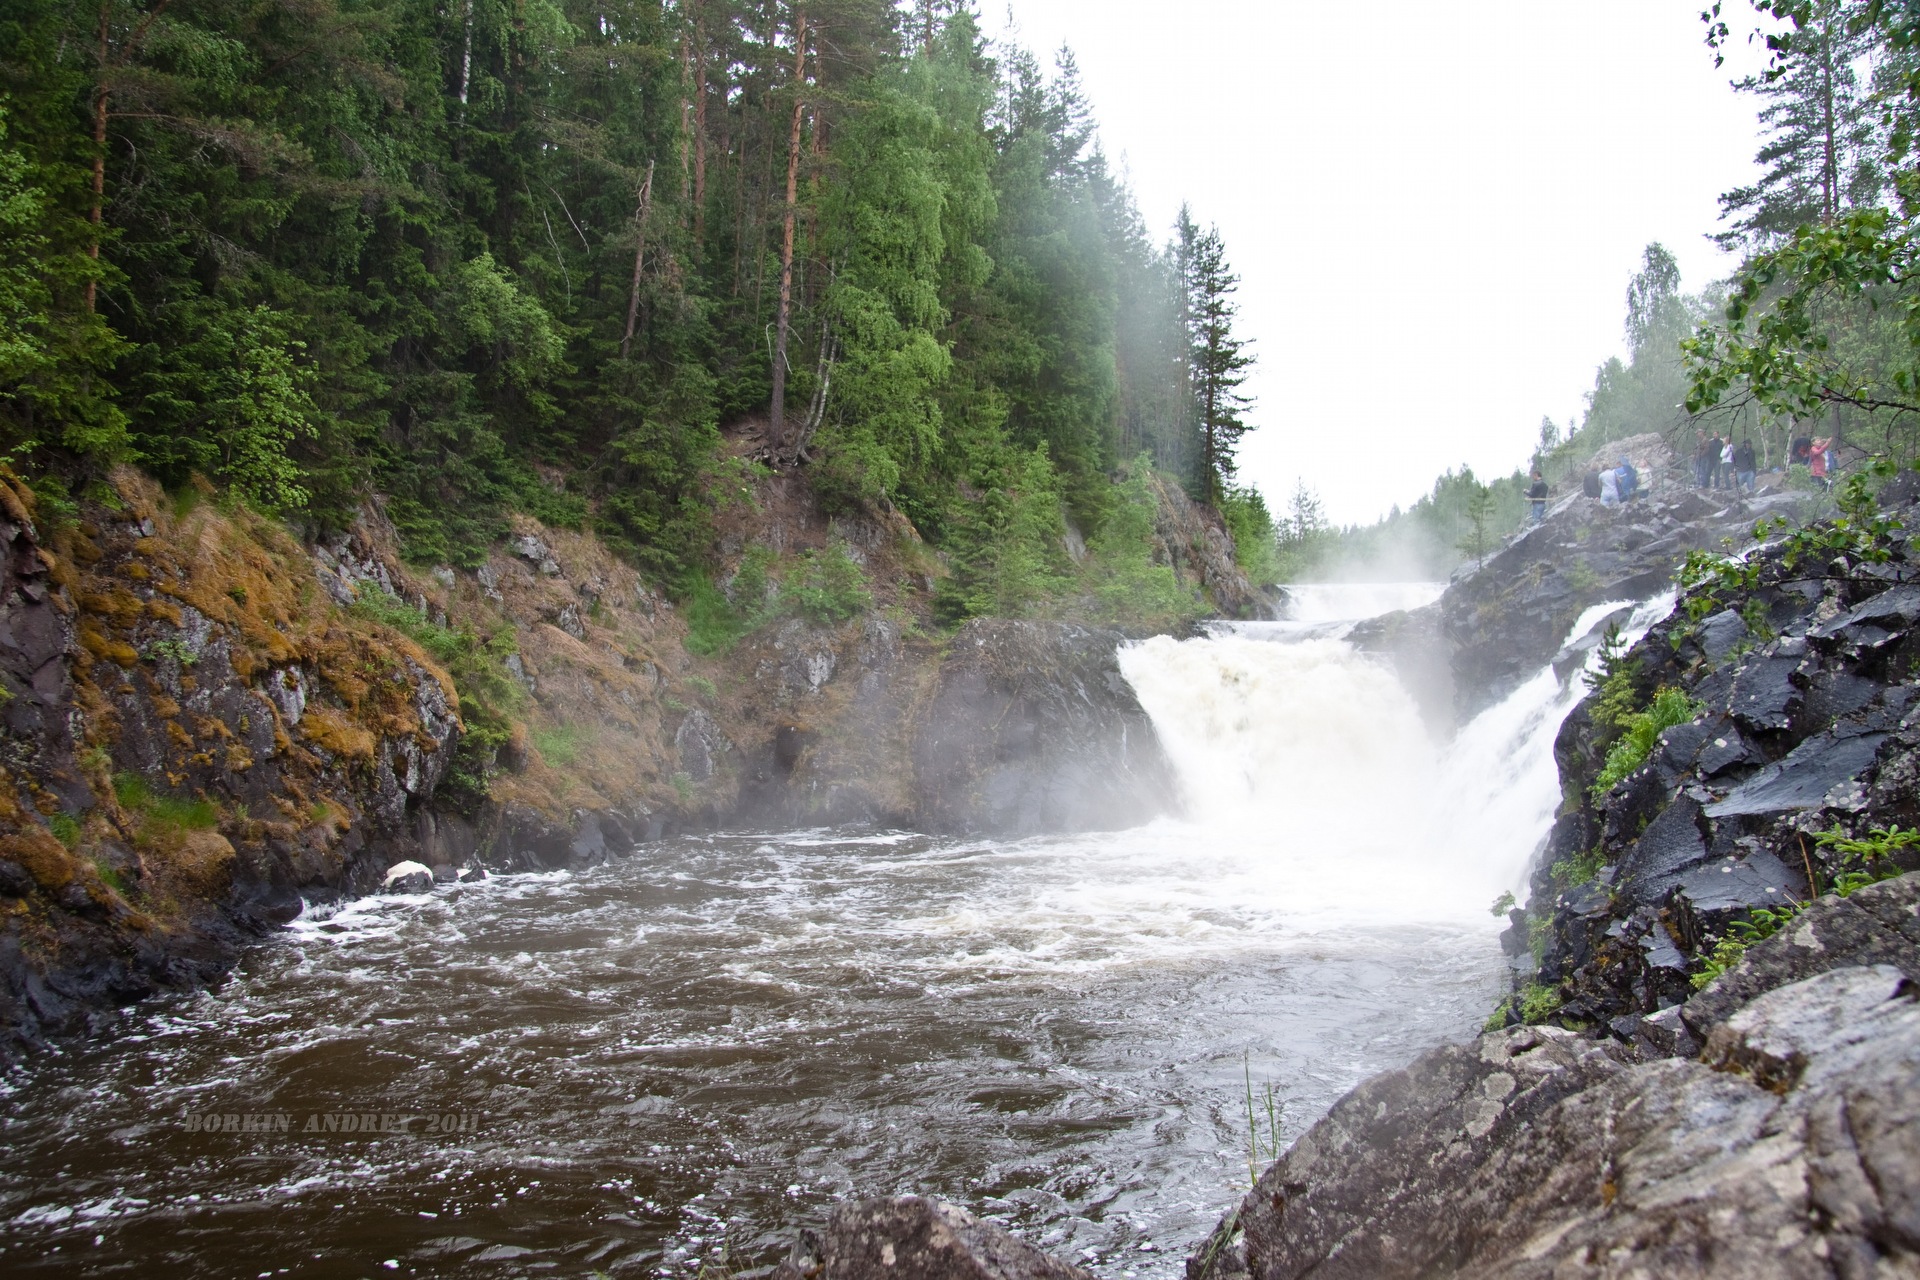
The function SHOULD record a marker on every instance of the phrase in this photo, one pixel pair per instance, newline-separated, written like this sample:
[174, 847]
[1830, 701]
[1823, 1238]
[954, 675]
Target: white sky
[1434, 209]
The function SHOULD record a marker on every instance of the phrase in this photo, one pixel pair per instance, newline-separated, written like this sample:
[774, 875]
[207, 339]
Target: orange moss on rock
[338, 734]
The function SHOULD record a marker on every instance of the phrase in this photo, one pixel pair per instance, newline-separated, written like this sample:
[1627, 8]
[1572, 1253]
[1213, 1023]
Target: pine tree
[1820, 155]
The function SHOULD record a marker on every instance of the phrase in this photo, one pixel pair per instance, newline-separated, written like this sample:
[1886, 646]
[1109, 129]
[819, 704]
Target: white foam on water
[1312, 784]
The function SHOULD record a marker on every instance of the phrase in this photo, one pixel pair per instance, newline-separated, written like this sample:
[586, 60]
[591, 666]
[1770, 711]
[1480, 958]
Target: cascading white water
[1313, 755]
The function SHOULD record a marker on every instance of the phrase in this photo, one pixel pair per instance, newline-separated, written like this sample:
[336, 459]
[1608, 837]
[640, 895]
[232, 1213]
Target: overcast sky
[1434, 209]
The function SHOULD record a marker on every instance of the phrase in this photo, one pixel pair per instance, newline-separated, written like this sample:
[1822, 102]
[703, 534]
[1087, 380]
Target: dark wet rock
[1671, 846]
[1739, 884]
[914, 1238]
[1726, 750]
[1786, 1152]
[1720, 634]
[1803, 778]
[1890, 612]
[1031, 727]
[1811, 729]
[1765, 696]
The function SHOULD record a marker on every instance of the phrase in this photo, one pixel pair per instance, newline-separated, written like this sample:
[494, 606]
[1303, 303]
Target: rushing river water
[664, 1064]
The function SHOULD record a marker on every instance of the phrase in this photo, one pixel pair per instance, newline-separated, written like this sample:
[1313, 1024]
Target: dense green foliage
[482, 257]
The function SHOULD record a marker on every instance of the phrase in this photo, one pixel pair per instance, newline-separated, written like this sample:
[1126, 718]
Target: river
[660, 1066]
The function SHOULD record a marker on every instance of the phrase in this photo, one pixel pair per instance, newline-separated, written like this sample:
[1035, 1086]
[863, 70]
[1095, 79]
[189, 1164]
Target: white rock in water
[400, 872]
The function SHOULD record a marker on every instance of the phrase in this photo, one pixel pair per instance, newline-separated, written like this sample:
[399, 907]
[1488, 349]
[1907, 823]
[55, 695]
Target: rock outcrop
[195, 737]
[1633, 1118]
[1787, 1150]
[1031, 727]
[1806, 693]
[1503, 618]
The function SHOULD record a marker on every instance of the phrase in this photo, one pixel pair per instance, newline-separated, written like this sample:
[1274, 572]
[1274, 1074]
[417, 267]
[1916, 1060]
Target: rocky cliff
[194, 736]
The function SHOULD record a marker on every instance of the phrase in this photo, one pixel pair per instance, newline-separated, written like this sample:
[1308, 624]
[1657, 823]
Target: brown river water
[669, 1062]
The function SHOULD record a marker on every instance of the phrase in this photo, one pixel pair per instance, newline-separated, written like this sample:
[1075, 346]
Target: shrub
[827, 587]
[1539, 1002]
[1642, 729]
[1762, 922]
[1869, 859]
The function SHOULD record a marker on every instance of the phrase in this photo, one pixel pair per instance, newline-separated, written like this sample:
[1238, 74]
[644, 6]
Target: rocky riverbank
[208, 720]
[1707, 1064]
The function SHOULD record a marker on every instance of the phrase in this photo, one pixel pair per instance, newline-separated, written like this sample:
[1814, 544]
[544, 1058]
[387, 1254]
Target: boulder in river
[1030, 728]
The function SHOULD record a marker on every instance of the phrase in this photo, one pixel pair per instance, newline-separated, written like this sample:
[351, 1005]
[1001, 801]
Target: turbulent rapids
[666, 1062]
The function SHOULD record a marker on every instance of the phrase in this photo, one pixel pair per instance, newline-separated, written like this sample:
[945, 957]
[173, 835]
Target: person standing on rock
[1537, 497]
[1629, 483]
[1727, 480]
[1819, 462]
[1610, 487]
[1700, 455]
[1590, 483]
[1744, 471]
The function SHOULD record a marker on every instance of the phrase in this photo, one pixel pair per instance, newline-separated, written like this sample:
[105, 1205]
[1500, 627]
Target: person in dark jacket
[1744, 470]
[1537, 497]
[1702, 449]
[1590, 483]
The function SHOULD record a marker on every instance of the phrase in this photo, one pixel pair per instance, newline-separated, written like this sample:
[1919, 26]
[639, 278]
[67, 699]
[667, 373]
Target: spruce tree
[1219, 360]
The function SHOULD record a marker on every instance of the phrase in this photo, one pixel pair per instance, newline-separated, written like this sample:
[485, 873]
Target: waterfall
[1288, 741]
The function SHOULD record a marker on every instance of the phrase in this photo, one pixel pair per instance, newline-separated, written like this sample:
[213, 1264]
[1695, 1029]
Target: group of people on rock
[1718, 463]
[1723, 463]
[1612, 485]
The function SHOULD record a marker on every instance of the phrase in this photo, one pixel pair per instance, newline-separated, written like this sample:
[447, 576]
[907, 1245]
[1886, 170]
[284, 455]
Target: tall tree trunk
[1830, 175]
[699, 138]
[466, 55]
[784, 316]
[639, 258]
[94, 214]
